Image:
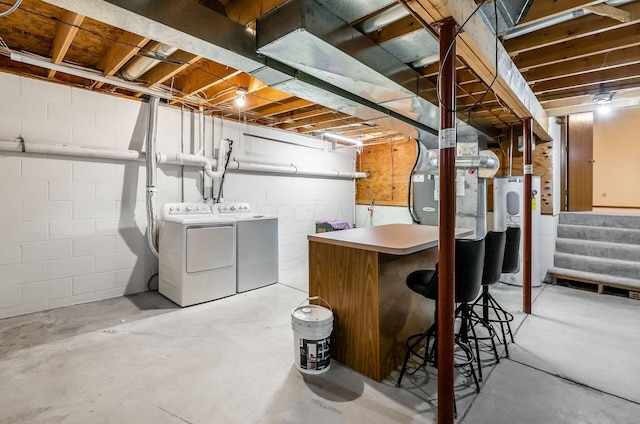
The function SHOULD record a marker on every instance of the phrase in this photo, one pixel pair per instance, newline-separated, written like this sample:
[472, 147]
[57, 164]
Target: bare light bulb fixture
[241, 100]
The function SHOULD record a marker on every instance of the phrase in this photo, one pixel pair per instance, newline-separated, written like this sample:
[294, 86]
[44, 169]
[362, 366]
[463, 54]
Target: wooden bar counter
[361, 273]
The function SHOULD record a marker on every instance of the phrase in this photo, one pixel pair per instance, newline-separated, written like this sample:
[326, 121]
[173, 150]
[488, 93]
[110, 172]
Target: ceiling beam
[227, 87]
[598, 43]
[319, 119]
[334, 124]
[395, 30]
[477, 48]
[591, 89]
[572, 29]
[545, 9]
[292, 103]
[264, 96]
[180, 61]
[66, 32]
[582, 65]
[303, 113]
[599, 77]
[205, 76]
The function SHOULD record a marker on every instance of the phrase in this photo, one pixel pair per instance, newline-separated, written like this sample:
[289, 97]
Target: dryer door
[210, 248]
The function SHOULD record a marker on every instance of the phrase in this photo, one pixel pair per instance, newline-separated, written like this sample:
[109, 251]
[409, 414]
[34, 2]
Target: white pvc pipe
[19, 145]
[294, 170]
[151, 165]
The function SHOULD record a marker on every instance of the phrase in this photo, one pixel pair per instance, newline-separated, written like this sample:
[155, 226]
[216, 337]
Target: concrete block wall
[73, 230]
[297, 202]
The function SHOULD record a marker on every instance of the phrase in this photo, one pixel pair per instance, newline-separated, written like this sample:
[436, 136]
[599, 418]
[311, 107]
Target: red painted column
[527, 129]
[447, 218]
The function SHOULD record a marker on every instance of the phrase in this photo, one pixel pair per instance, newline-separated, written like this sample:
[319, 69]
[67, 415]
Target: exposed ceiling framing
[553, 62]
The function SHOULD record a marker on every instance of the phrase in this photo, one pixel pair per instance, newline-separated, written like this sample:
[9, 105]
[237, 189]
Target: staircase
[598, 249]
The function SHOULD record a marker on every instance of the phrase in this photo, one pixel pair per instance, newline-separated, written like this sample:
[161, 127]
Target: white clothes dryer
[197, 250]
[256, 245]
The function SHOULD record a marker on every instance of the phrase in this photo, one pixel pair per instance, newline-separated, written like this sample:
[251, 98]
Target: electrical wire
[11, 9]
[409, 205]
[448, 52]
[149, 282]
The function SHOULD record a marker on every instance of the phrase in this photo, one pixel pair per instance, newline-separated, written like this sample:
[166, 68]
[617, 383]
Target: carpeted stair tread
[632, 283]
[600, 220]
[620, 268]
[606, 234]
[598, 248]
[601, 249]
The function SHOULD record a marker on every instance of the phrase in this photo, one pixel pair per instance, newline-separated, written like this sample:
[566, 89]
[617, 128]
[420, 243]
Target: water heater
[508, 211]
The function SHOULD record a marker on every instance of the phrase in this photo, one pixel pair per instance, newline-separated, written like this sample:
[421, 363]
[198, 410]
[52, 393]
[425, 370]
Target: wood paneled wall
[390, 166]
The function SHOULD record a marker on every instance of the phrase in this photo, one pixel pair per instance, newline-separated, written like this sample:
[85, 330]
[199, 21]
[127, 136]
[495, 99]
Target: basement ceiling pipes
[20, 145]
[154, 53]
[151, 164]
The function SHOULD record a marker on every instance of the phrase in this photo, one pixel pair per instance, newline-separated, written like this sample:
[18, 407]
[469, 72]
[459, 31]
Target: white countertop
[394, 239]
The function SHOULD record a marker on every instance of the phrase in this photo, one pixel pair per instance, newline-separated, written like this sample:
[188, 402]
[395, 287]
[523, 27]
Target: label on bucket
[314, 354]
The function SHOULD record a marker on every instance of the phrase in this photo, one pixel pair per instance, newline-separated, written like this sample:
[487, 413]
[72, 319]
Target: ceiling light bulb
[241, 100]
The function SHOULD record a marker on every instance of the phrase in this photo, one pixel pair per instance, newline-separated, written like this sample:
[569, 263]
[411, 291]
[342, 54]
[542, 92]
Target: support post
[528, 173]
[447, 218]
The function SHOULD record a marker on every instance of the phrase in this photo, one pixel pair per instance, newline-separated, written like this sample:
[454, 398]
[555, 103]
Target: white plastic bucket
[312, 326]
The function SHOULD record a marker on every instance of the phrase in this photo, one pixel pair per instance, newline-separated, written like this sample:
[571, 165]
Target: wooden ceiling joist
[609, 76]
[545, 9]
[165, 70]
[616, 58]
[206, 75]
[65, 34]
[477, 48]
[288, 105]
[570, 30]
[316, 120]
[598, 43]
[123, 49]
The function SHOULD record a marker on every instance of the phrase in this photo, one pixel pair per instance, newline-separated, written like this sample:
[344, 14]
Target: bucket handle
[314, 298]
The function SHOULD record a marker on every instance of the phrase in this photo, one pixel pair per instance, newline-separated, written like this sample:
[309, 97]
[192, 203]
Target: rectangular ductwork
[307, 36]
[304, 50]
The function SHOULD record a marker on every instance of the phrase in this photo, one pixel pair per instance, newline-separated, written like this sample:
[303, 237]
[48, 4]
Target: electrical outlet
[634, 295]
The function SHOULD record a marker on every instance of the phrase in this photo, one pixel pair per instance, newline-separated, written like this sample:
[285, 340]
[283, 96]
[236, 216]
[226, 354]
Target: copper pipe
[447, 218]
[527, 128]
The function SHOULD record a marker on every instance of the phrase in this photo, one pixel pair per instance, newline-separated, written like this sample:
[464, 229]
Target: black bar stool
[468, 278]
[492, 311]
[492, 269]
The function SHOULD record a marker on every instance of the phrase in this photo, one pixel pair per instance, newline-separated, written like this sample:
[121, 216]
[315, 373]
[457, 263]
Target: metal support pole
[447, 218]
[527, 128]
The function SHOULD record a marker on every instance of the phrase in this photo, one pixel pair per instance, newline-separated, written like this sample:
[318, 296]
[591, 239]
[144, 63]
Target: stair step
[606, 234]
[602, 249]
[600, 220]
[613, 267]
[594, 277]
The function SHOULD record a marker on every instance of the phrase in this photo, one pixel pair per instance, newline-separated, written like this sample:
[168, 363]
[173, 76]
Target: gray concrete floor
[141, 359]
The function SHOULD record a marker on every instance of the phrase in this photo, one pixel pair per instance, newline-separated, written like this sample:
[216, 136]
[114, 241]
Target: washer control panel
[227, 208]
[172, 209]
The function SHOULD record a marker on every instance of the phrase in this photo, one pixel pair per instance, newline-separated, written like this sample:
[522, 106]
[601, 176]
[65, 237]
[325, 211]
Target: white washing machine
[257, 245]
[197, 254]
